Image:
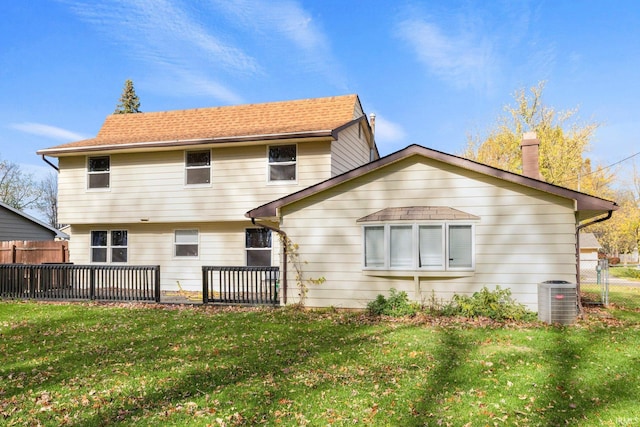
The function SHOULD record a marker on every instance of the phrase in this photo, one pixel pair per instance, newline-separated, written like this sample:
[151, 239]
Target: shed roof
[589, 241]
[305, 117]
[418, 213]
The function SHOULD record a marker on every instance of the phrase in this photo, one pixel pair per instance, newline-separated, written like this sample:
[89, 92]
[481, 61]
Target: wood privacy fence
[34, 252]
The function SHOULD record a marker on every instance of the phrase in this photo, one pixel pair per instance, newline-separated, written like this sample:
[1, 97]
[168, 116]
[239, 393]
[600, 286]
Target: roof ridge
[250, 105]
[311, 117]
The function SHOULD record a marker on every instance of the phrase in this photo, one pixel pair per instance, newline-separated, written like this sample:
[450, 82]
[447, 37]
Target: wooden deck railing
[240, 285]
[80, 282]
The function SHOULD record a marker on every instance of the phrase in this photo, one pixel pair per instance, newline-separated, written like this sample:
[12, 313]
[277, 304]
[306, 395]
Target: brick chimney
[530, 158]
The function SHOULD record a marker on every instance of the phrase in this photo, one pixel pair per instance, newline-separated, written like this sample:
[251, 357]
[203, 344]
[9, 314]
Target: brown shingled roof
[418, 213]
[219, 123]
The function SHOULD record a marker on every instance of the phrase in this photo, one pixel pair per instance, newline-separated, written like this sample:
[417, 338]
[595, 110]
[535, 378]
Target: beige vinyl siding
[350, 150]
[16, 227]
[523, 236]
[220, 244]
[151, 185]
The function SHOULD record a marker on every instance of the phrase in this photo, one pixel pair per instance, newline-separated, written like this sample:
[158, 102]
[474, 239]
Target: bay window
[443, 246]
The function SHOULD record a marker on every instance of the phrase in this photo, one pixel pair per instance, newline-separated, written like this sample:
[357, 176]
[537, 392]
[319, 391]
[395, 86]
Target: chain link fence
[602, 284]
[594, 282]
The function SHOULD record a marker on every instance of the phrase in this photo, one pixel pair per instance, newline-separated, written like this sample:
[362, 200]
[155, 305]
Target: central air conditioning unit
[557, 302]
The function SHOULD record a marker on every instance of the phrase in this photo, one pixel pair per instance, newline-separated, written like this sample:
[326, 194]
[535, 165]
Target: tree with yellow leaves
[621, 234]
[563, 143]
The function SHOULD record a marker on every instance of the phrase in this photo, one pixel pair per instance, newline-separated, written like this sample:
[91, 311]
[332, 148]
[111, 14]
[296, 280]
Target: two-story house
[212, 187]
[171, 188]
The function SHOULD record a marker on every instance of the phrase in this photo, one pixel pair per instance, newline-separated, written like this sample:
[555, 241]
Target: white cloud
[187, 41]
[47, 131]
[200, 85]
[465, 59]
[164, 35]
[286, 20]
[388, 131]
[285, 17]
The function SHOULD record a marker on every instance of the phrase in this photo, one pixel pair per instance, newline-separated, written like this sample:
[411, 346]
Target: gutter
[578, 228]
[50, 164]
[284, 256]
[188, 142]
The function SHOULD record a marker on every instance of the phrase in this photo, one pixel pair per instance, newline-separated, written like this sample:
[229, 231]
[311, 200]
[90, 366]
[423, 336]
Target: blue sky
[433, 72]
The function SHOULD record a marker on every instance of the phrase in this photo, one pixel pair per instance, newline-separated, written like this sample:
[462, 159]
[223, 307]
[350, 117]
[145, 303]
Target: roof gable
[587, 206]
[55, 232]
[321, 116]
[589, 241]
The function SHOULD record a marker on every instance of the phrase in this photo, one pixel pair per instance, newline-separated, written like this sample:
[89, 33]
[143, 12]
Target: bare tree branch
[18, 188]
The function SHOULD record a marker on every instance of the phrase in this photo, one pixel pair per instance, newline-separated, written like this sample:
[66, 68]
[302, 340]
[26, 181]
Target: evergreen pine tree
[129, 102]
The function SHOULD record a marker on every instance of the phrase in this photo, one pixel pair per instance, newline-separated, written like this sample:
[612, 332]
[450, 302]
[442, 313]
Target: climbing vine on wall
[293, 259]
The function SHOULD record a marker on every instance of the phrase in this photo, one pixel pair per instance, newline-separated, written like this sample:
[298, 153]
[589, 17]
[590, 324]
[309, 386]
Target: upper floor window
[98, 172]
[186, 243]
[109, 246]
[258, 247]
[198, 167]
[282, 162]
[446, 246]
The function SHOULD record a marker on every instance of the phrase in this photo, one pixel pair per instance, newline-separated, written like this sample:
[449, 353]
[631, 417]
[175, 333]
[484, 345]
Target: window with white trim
[109, 246]
[98, 172]
[186, 243]
[445, 246]
[282, 163]
[197, 167]
[258, 247]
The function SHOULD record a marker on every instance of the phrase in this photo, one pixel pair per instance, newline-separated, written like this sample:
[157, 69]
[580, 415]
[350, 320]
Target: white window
[282, 163]
[198, 167]
[185, 243]
[99, 246]
[98, 170]
[460, 247]
[109, 246]
[431, 246]
[374, 246]
[258, 247]
[401, 246]
[437, 247]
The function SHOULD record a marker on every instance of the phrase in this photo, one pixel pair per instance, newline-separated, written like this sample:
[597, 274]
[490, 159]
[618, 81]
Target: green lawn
[619, 294]
[630, 273]
[95, 365]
